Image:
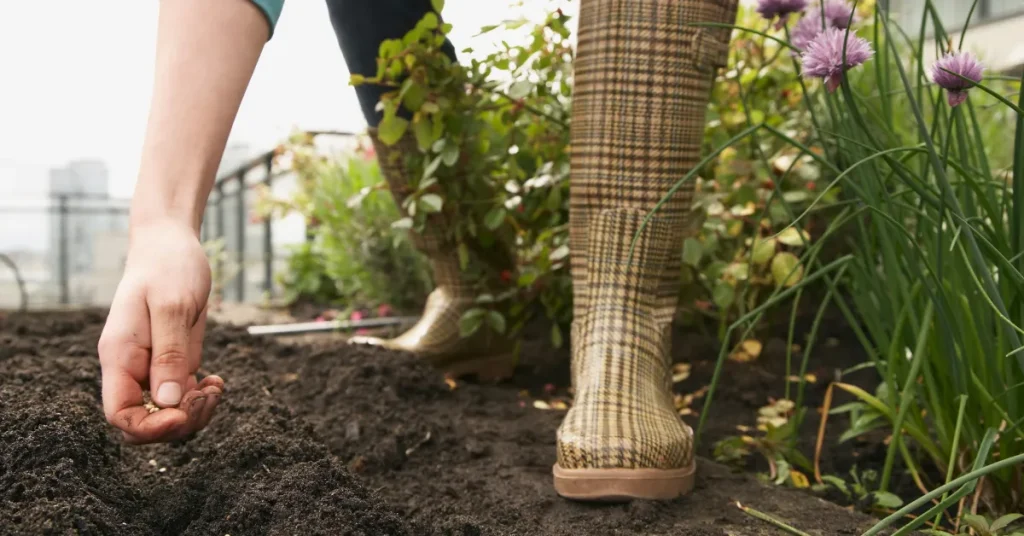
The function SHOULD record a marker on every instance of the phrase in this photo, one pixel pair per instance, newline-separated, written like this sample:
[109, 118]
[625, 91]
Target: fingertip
[212, 381]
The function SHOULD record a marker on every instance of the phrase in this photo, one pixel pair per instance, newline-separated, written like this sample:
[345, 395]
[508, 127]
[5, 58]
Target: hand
[154, 335]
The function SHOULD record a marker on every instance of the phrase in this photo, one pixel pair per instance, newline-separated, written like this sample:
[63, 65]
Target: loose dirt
[333, 439]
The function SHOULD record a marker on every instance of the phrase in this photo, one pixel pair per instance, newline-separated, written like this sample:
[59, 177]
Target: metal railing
[78, 243]
[62, 251]
[227, 219]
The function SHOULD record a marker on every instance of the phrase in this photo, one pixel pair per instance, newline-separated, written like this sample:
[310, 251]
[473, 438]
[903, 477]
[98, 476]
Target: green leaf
[431, 203]
[787, 270]
[739, 271]
[764, 250]
[496, 320]
[404, 223]
[723, 295]
[391, 129]
[887, 500]
[976, 522]
[356, 79]
[714, 270]
[413, 95]
[389, 47]
[430, 20]
[693, 250]
[421, 128]
[471, 321]
[494, 218]
[792, 237]
[438, 5]
[560, 253]
[520, 89]
[846, 408]
[431, 167]
[837, 482]
[556, 336]
[1004, 522]
[450, 154]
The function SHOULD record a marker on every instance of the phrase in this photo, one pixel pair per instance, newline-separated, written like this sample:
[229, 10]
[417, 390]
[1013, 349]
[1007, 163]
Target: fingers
[125, 358]
[171, 324]
[212, 395]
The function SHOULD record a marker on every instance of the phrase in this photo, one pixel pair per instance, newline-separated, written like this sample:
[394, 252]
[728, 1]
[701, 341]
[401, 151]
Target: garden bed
[331, 439]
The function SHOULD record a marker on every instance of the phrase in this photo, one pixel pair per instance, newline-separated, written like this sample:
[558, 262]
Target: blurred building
[88, 233]
[995, 29]
[71, 231]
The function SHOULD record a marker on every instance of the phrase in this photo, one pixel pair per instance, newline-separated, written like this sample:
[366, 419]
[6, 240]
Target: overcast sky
[76, 76]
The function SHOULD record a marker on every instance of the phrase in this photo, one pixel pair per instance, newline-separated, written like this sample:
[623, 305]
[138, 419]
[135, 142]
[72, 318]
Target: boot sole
[493, 368]
[619, 485]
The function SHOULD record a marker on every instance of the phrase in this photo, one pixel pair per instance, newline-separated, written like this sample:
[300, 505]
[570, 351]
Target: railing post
[219, 234]
[268, 242]
[62, 250]
[240, 214]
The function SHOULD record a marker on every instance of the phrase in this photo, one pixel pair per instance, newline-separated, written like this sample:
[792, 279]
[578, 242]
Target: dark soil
[332, 439]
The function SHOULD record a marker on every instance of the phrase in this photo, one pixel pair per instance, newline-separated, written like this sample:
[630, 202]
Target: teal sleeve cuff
[272, 10]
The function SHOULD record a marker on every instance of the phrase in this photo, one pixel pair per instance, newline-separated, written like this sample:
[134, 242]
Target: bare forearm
[206, 54]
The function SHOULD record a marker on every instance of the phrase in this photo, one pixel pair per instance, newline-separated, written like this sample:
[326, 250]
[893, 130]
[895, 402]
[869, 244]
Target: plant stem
[769, 519]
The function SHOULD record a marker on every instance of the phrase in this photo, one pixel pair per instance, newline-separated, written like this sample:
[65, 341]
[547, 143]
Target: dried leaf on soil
[680, 372]
[752, 347]
[741, 357]
[799, 479]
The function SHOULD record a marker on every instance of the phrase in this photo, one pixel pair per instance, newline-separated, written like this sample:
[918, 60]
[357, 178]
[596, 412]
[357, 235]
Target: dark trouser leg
[361, 26]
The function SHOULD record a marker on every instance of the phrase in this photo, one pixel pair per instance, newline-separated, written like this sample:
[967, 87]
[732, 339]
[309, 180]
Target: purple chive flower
[823, 57]
[961, 63]
[770, 9]
[837, 15]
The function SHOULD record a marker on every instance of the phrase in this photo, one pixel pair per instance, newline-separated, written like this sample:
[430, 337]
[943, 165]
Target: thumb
[171, 321]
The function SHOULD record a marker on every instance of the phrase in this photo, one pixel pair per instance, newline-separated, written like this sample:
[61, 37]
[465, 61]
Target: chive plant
[928, 151]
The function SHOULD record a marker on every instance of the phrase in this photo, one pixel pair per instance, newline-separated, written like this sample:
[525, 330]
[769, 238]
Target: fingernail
[169, 394]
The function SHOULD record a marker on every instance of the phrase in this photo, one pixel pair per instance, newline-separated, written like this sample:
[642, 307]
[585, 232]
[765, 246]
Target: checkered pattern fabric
[436, 335]
[642, 82]
[643, 77]
[623, 416]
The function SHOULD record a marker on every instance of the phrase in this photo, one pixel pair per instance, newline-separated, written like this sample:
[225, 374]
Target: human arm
[206, 54]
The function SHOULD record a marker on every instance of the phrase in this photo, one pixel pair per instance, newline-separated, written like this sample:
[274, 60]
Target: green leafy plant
[773, 439]
[861, 490]
[932, 214]
[747, 244]
[983, 526]
[492, 136]
[350, 238]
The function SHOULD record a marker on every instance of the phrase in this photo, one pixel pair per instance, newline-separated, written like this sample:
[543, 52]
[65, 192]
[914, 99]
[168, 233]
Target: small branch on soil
[769, 519]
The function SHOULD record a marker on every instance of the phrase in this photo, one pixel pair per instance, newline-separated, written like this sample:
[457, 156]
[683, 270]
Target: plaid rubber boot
[643, 77]
[435, 337]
